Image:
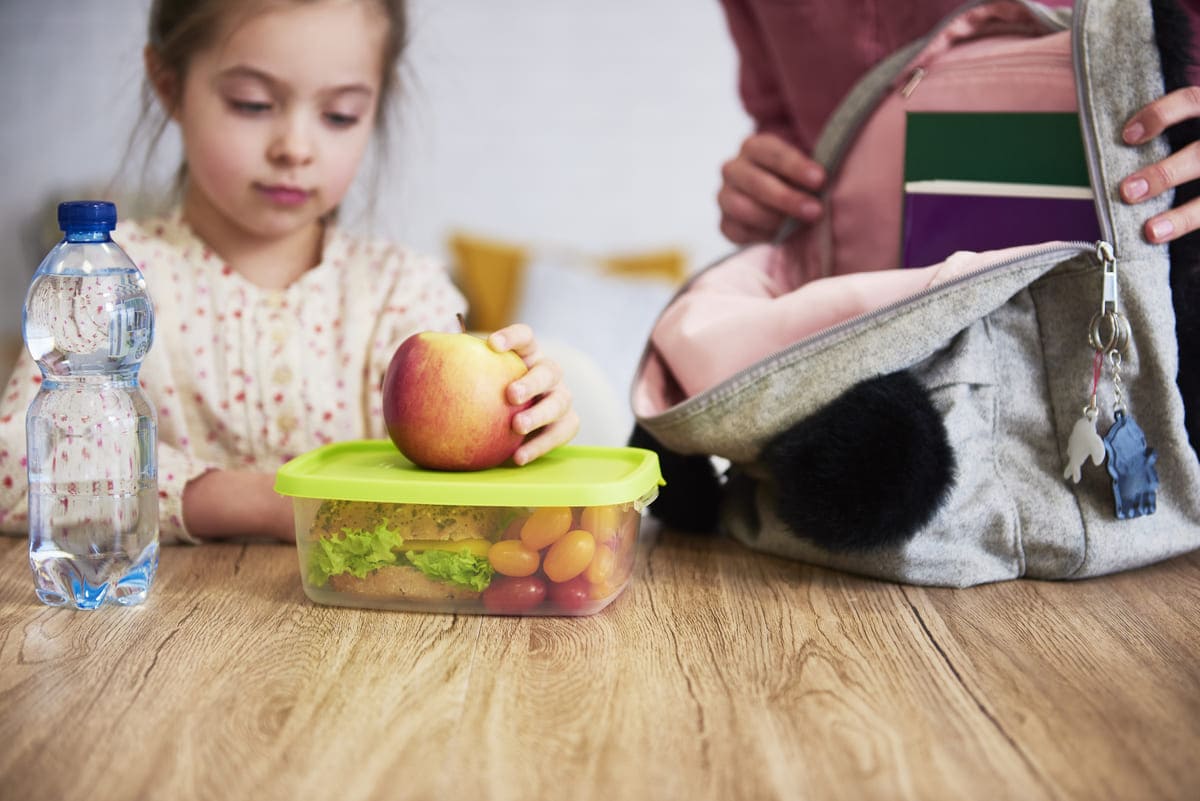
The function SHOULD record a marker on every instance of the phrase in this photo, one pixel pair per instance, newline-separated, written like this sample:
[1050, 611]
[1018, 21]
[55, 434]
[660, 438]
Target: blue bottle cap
[84, 216]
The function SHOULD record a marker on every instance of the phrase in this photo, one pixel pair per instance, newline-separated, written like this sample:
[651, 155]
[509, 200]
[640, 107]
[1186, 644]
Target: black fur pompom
[691, 496]
[867, 470]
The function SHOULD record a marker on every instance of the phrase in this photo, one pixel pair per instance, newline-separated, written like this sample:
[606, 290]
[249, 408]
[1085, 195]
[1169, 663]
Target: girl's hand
[768, 181]
[1177, 168]
[550, 421]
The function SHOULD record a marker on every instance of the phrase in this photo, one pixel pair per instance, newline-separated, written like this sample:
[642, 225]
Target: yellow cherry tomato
[603, 590]
[570, 555]
[601, 566]
[602, 521]
[545, 526]
[512, 558]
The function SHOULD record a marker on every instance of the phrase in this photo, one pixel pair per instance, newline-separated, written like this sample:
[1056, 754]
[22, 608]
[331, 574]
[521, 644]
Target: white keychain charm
[1085, 443]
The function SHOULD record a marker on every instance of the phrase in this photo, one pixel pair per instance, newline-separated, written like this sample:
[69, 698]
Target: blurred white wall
[598, 127]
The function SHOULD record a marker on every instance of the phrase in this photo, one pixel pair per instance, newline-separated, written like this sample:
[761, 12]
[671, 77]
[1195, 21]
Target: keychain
[1130, 461]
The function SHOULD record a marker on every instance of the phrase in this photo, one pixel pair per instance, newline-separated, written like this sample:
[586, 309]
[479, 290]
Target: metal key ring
[1117, 335]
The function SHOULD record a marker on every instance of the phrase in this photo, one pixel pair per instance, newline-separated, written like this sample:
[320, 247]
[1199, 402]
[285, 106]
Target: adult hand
[768, 181]
[551, 420]
[1176, 169]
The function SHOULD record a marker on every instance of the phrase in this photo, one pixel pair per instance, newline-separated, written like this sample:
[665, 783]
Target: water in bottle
[91, 433]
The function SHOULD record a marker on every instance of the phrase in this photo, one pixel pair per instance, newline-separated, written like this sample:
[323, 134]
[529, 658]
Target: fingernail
[1136, 188]
[1133, 133]
[811, 211]
[518, 393]
[1161, 229]
[498, 342]
[521, 424]
[813, 176]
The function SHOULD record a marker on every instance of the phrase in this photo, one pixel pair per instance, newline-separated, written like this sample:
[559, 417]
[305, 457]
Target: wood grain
[719, 674]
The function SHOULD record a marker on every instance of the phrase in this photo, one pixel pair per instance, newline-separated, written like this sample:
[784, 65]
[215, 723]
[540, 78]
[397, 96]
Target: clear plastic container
[558, 536]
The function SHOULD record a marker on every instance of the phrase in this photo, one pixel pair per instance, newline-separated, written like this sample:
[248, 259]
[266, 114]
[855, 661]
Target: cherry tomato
[545, 526]
[513, 596]
[601, 566]
[569, 556]
[571, 596]
[602, 521]
[512, 558]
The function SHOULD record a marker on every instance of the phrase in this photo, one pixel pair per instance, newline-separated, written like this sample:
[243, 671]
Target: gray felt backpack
[1013, 357]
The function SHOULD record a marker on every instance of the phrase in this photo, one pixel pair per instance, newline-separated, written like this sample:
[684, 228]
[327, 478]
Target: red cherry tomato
[508, 595]
[571, 596]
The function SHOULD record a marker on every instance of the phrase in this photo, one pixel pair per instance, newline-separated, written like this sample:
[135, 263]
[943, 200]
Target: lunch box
[558, 536]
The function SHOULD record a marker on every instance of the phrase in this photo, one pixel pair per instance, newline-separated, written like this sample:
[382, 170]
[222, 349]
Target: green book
[1004, 147]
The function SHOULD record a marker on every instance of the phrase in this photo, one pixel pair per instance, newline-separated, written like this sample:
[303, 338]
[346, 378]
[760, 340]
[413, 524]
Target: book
[987, 180]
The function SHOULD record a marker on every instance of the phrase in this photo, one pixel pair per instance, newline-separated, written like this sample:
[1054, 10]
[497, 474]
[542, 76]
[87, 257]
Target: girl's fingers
[547, 439]
[518, 338]
[1158, 115]
[541, 378]
[548, 408]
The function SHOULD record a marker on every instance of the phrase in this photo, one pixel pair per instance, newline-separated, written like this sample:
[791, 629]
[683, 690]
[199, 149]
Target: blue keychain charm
[1131, 465]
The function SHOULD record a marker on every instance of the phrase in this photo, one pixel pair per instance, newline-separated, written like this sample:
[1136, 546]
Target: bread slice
[399, 582]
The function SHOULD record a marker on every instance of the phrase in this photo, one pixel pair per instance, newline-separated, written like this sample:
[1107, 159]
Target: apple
[444, 401]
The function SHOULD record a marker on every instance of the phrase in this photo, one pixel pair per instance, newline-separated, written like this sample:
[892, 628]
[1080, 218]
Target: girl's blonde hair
[179, 29]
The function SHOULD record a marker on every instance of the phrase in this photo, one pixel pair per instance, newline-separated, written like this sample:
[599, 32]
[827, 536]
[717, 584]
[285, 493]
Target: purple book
[941, 217]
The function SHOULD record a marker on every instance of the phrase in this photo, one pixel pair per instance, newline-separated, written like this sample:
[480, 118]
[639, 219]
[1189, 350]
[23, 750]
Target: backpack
[999, 414]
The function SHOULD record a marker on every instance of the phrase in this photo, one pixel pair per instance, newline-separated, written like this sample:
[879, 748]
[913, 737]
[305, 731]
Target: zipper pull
[910, 85]
[1109, 330]
[1104, 252]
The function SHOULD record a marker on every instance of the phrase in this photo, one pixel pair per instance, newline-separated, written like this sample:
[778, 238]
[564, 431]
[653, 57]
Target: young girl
[274, 327]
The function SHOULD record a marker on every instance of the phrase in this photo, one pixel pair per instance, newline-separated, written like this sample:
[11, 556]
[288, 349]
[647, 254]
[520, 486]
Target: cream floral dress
[243, 377]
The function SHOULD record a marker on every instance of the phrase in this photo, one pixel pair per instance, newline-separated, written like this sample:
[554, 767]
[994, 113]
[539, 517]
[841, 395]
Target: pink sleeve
[758, 84]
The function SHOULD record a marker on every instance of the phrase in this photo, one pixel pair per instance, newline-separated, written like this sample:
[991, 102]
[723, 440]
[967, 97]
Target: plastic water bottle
[91, 433]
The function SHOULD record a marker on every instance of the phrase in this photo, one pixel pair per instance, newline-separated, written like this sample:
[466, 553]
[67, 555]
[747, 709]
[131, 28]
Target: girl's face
[276, 116]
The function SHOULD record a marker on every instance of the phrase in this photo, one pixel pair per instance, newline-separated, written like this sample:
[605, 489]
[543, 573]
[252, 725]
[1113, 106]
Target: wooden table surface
[719, 674]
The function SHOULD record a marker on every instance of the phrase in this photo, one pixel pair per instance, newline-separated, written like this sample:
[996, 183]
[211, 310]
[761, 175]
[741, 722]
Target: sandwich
[403, 551]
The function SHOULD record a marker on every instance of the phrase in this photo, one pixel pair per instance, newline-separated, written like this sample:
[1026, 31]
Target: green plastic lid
[571, 475]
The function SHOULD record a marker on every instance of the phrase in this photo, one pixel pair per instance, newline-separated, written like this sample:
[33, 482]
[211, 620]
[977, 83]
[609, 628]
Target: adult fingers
[745, 211]
[1158, 115]
[1174, 223]
[1178, 168]
[785, 160]
[768, 189]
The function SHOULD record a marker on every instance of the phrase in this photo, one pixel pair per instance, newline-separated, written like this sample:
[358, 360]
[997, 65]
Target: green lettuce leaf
[462, 568]
[355, 551]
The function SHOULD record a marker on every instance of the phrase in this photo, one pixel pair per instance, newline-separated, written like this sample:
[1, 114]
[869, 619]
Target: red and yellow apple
[444, 401]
